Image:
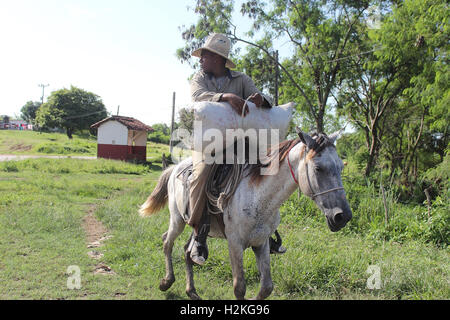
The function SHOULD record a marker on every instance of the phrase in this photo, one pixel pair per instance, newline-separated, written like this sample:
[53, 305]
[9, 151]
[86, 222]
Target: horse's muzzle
[338, 218]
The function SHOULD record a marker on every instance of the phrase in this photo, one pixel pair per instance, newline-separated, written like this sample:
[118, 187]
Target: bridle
[307, 177]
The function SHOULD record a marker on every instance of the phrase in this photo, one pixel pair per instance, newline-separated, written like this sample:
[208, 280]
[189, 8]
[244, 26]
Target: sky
[123, 51]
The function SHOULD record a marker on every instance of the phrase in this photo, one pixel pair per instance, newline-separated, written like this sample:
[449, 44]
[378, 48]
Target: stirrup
[275, 244]
[199, 247]
[199, 253]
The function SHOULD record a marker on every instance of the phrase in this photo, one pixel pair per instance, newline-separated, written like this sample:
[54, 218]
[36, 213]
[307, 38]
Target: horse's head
[320, 178]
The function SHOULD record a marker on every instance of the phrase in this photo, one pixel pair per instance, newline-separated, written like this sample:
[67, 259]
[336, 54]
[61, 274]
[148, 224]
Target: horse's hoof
[192, 294]
[165, 284]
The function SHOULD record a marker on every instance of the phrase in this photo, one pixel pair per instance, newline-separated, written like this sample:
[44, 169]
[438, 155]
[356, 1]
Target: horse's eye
[317, 168]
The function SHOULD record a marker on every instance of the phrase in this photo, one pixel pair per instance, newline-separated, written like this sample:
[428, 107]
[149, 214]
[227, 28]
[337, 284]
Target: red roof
[128, 122]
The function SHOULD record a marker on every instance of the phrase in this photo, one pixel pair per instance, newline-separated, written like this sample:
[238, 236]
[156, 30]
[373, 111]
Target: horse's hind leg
[176, 227]
[190, 287]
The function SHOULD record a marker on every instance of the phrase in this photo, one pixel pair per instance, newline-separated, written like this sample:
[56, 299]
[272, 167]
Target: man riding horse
[216, 82]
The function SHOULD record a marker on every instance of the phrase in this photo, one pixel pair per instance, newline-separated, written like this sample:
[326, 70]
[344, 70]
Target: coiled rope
[220, 189]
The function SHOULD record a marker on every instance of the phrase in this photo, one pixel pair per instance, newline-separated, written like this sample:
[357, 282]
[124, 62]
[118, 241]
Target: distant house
[122, 138]
[16, 125]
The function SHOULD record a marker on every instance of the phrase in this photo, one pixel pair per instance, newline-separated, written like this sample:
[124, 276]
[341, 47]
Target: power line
[83, 115]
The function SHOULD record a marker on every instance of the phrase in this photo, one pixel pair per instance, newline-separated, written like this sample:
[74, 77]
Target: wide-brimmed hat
[219, 44]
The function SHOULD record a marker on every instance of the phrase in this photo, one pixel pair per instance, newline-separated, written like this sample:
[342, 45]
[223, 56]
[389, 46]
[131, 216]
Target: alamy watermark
[374, 281]
[218, 146]
[74, 279]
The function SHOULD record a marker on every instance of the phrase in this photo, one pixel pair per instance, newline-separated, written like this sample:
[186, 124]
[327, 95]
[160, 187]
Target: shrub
[405, 221]
[54, 148]
[9, 166]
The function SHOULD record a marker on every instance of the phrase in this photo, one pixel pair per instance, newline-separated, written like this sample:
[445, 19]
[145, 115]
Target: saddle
[220, 187]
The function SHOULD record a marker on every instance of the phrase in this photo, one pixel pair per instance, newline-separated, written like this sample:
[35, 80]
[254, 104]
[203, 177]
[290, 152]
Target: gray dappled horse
[252, 215]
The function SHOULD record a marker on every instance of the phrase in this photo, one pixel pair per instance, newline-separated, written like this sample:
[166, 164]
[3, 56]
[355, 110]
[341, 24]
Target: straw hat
[219, 44]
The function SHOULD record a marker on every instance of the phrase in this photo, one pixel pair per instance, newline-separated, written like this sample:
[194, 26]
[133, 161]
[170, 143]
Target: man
[216, 82]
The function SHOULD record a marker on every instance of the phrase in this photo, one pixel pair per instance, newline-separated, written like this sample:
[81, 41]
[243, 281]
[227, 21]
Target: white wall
[112, 132]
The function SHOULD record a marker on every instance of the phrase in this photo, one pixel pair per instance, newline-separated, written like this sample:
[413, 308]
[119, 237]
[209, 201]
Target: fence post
[386, 212]
[427, 194]
[164, 161]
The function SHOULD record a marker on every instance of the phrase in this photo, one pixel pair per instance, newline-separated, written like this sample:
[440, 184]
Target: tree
[28, 111]
[5, 118]
[318, 31]
[259, 66]
[161, 133]
[186, 119]
[430, 88]
[381, 95]
[71, 109]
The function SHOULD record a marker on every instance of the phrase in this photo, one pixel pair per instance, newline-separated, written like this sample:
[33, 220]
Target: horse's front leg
[236, 257]
[262, 254]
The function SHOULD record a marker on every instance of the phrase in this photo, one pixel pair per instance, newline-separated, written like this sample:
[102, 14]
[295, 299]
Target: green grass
[34, 143]
[31, 142]
[318, 265]
[43, 202]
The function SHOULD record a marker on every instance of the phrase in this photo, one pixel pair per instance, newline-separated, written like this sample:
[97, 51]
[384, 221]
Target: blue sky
[123, 51]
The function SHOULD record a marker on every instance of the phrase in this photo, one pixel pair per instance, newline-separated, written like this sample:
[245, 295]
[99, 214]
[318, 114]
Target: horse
[309, 163]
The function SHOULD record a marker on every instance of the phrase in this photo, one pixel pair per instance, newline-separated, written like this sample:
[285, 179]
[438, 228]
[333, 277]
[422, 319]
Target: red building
[122, 138]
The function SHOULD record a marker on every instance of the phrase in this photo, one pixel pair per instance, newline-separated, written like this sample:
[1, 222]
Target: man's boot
[198, 246]
[275, 245]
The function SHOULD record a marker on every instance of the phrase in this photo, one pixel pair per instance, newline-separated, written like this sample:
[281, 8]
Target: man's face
[209, 61]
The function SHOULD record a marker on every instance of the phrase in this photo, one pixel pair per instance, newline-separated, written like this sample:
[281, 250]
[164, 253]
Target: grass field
[43, 209]
[13, 142]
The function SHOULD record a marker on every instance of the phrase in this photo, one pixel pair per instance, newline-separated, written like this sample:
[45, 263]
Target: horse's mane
[282, 149]
[321, 141]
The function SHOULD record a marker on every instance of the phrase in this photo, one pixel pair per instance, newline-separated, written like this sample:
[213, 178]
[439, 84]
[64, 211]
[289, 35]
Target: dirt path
[96, 233]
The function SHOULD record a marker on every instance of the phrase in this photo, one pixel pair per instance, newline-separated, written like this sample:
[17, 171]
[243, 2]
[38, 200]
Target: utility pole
[118, 107]
[173, 119]
[277, 75]
[43, 87]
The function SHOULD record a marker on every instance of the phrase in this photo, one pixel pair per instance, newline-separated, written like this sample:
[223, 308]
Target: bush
[9, 166]
[74, 166]
[54, 148]
[159, 137]
[405, 221]
[439, 177]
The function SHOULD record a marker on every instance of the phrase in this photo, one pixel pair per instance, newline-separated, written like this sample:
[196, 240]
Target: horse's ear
[305, 138]
[335, 135]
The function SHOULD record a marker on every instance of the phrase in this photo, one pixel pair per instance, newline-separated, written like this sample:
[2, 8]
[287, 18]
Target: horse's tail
[158, 199]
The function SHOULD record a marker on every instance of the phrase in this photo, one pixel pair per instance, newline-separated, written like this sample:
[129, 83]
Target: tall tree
[71, 109]
[318, 31]
[382, 90]
[431, 87]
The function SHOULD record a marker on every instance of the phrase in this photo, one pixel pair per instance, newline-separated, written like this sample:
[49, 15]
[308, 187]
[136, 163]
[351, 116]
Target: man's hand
[236, 102]
[257, 99]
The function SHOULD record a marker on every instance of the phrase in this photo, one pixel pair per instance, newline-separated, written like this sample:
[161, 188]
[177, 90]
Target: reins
[290, 167]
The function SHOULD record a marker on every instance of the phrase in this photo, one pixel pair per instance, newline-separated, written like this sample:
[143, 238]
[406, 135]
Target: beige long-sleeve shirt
[205, 87]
